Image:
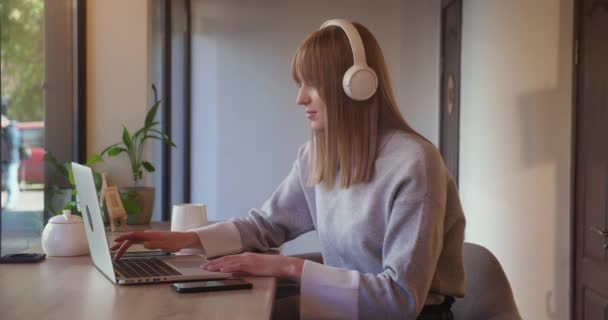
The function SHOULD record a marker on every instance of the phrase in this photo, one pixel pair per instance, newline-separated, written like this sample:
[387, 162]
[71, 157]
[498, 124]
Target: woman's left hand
[259, 265]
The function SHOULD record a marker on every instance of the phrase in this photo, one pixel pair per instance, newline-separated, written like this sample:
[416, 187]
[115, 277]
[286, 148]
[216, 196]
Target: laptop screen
[93, 221]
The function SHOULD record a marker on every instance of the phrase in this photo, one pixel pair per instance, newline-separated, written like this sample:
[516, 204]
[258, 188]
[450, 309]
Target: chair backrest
[488, 293]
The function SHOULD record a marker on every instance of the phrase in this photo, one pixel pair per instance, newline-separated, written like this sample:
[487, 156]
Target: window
[32, 134]
[42, 90]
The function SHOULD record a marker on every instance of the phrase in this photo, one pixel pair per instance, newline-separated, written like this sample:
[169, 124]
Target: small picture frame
[113, 203]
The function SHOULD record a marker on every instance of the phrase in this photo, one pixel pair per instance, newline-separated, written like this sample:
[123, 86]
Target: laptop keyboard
[143, 267]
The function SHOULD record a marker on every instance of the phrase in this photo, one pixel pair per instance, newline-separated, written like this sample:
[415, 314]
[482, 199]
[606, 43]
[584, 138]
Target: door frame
[172, 43]
[442, 121]
[573, 159]
[576, 116]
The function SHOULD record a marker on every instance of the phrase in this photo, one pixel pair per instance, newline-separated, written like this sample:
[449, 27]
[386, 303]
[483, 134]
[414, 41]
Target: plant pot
[145, 199]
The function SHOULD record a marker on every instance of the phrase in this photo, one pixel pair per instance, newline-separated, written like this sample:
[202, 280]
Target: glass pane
[22, 63]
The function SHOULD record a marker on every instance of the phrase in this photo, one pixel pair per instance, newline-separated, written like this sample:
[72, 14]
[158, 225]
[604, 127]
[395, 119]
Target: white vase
[64, 236]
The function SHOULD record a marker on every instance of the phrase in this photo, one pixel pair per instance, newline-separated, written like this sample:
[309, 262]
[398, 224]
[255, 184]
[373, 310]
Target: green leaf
[129, 202]
[116, 151]
[169, 142]
[155, 137]
[164, 135]
[131, 206]
[144, 131]
[93, 160]
[70, 205]
[164, 138]
[152, 114]
[148, 166]
[126, 137]
[139, 132]
[70, 174]
[151, 136]
[74, 192]
[155, 93]
[50, 159]
[108, 148]
[98, 179]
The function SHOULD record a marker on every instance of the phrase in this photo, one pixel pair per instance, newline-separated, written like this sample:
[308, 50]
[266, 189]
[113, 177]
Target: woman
[386, 210]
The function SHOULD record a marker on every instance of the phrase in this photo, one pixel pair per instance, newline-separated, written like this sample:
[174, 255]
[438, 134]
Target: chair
[488, 293]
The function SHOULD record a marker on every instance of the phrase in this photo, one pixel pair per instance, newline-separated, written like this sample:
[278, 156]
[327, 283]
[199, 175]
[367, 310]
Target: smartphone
[211, 285]
[22, 258]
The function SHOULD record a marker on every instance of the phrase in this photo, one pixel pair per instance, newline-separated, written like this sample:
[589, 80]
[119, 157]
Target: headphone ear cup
[360, 82]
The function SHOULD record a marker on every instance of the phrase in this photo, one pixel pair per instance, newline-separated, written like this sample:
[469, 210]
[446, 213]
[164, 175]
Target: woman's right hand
[163, 240]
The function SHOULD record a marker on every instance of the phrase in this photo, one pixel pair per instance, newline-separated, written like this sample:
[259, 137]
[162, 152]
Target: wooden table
[72, 288]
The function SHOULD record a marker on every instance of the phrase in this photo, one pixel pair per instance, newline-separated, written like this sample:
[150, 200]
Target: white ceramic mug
[188, 216]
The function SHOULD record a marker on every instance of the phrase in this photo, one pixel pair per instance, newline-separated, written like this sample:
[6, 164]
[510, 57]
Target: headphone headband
[354, 39]
[360, 81]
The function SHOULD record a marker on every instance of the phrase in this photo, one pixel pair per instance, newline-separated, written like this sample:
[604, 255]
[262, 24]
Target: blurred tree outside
[22, 58]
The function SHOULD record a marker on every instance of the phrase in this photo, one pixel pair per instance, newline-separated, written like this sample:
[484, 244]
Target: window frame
[171, 73]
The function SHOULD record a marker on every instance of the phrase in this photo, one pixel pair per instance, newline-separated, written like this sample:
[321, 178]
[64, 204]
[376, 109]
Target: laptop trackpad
[187, 265]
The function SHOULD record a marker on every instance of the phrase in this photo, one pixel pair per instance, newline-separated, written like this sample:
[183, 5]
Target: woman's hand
[166, 241]
[259, 265]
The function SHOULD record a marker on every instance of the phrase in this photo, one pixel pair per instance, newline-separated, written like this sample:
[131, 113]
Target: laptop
[131, 270]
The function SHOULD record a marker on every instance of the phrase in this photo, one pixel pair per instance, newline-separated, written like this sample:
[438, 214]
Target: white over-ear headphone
[360, 81]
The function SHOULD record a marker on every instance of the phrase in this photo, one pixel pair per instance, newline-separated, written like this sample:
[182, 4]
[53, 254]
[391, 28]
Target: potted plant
[61, 193]
[132, 145]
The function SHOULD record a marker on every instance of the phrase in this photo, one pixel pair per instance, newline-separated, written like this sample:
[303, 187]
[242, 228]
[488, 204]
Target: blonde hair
[350, 140]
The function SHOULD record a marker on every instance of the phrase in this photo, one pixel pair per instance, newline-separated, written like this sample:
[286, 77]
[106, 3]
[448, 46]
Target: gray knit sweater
[389, 246]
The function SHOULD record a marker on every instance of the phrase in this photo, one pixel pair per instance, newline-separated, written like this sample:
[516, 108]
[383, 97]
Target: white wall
[118, 82]
[247, 125]
[515, 144]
